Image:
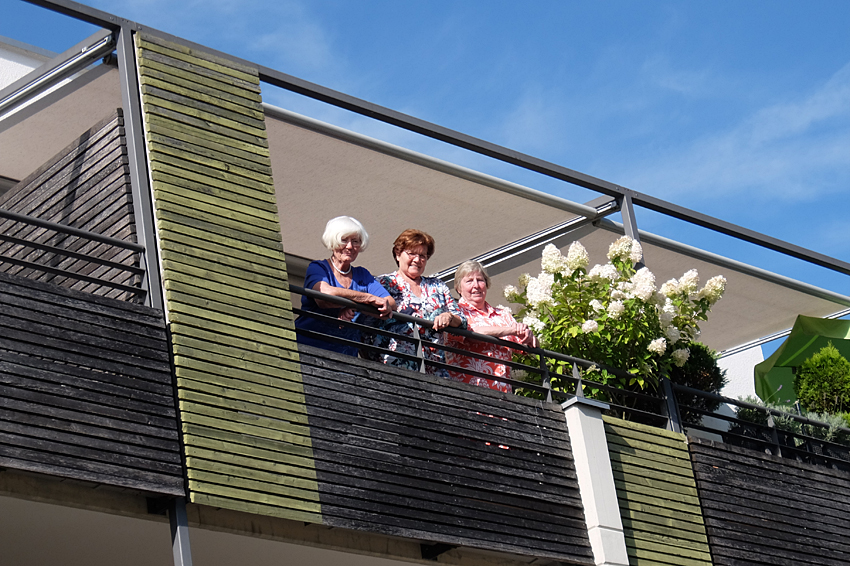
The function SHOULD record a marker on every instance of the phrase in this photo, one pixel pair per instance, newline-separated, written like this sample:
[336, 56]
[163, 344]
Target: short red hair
[410, 239]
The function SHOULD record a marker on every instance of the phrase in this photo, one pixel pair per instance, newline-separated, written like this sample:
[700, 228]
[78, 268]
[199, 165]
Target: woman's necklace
[338, 270]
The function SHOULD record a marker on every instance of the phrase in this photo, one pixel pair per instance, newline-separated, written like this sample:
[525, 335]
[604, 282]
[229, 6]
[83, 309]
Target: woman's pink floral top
[491, 316]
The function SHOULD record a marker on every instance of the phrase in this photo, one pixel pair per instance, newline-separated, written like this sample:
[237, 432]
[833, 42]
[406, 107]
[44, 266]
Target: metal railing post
[774, 436]
[546, 379]
[420, 349]
[579, 385]
[674, 421]
[137, 162]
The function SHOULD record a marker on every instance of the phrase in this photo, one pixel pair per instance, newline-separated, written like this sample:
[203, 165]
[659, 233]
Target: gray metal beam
[179, 522]
[740, 233]
[470, 143]
[517, 253]
[137, 157]
[71, 61]
[81, 12]
[703, 255]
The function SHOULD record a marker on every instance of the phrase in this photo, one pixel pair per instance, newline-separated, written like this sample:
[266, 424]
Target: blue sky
[740, 110]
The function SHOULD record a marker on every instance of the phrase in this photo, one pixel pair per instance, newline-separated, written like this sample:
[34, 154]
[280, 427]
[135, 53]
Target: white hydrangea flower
[667, 313]
[713, 289]
[534, 323]
[553, 260]
[659, 299]
[597, 305]
[621, 249]
[643, 284]
[680, 356]
[539, 290]
[673, 334]
[600, 272]
[511, 293]
[524, 279]
[577, 257]
[627, 288]
[670, 288]
[589, 326]
[657, 346]
[636, 253]
[615, 309]
[617, 295]
[689, 282]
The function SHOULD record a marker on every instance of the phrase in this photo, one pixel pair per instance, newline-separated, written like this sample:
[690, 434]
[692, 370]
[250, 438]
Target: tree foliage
[823, 381]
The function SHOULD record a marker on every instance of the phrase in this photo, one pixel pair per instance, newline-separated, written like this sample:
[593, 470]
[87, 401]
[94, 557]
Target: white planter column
[596, 480]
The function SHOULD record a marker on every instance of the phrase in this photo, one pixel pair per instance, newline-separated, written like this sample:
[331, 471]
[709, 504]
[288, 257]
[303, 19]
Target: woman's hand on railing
[446, 319]
[383, 304]
[347, 314]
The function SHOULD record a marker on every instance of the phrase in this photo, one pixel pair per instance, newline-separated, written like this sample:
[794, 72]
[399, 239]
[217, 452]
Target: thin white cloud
[794, 150]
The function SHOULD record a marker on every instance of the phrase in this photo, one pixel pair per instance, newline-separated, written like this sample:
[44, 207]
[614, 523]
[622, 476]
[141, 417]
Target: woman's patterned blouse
[436, 299]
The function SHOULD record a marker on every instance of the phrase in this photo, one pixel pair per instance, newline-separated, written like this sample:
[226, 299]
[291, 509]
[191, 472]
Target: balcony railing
[71, 257]
[671, 406]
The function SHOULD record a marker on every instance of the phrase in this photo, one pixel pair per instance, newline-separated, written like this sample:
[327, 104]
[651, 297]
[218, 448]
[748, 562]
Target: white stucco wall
[17, 59]
[739, 372]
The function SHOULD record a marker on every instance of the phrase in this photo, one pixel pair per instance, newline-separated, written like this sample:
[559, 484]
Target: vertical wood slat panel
[85, 388]
[659, 504]
[764, 510]
[241, 401]
[85, 186]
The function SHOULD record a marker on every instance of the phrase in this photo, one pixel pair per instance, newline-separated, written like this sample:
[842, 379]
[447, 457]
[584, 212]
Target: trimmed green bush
[823, 382]
[699, 372]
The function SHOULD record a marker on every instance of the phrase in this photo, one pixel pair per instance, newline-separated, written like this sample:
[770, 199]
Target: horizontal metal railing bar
[71, 254]
[459, 331]
[457, 369]
[70, 230]
[739, 403]
[72, 275]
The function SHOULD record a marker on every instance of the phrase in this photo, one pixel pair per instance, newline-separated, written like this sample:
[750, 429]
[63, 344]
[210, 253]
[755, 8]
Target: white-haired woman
[345, 237]
[472, 282]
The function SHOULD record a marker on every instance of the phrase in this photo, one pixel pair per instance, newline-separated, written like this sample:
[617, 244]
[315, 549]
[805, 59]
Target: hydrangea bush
[614, 314]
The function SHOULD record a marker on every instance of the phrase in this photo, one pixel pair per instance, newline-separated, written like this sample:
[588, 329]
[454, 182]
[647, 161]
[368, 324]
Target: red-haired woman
[419, 296]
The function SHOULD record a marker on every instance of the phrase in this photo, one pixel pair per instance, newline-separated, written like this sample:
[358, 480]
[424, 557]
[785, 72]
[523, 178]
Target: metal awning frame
[118, 32]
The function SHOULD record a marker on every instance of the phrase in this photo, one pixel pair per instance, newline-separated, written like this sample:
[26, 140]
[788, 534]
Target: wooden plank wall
[85, 388]
[765, 510]
[410, 455]
[244, 423]
[85, 186]
[658, 497]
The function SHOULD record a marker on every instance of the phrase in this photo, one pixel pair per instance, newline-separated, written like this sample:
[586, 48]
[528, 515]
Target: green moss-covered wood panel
[241, 400]
[659, 505]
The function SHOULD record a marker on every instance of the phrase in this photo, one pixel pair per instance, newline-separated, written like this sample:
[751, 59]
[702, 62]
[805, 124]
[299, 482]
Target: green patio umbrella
[774, 377]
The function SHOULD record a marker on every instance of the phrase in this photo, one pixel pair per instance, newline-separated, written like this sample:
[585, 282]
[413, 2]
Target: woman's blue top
[361, 280]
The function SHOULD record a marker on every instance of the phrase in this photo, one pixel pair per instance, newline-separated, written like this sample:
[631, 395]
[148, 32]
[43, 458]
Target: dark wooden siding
[85, 186]
[85, 388]
[405, 454]
[659, 506]
[765, 510]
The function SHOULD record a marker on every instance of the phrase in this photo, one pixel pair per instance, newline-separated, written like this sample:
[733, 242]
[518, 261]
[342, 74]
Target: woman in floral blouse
[419, 296]
[472, 282]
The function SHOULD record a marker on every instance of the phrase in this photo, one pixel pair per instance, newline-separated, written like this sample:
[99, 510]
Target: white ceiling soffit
[322, 171]
[35, 133]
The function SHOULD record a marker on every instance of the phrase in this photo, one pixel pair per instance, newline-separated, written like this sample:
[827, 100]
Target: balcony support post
[596, 481]
[137, 160]
[179, 532]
